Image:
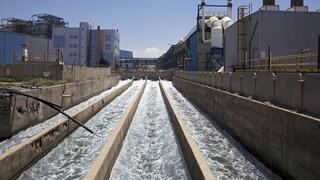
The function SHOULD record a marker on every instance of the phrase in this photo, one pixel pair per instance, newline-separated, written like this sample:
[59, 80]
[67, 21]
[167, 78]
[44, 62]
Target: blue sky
[147, 27]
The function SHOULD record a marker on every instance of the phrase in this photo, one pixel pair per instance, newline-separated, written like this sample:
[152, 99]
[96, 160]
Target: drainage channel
[72, 158]
[31, 131]
[225, 157]
[150, 149]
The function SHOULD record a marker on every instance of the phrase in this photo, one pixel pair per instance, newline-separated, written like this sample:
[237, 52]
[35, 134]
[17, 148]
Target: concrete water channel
[151, 147]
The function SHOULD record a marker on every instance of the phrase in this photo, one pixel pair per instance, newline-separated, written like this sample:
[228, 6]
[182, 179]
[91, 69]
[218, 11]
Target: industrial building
[72, 43]
[84, 46]
[269, 33]
[124, 54]
[268, 37]
[17, 47]
[103, 47]
[139, 63]
[40, 25]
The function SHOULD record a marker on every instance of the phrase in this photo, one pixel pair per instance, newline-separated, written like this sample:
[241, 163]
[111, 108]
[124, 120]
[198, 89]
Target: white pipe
[226, 22]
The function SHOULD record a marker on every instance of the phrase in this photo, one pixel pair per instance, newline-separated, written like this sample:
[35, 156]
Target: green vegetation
[7, 79]
[38, 81]
[35, 81]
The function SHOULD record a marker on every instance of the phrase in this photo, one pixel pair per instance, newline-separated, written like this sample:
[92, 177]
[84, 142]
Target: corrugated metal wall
[285, 32]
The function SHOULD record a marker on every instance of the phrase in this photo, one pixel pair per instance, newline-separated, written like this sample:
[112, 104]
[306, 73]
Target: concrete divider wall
[265, 86]
[84, 73]
[142, 74]
[197, 166]
[248, 84]
[311, 93]
[288, 90]
[227, 81]
[18, 158]
[287, 142]
[299, 92]
[219, 80]
[25, 112]
[236, 82]
[55, 71]
[102, 166]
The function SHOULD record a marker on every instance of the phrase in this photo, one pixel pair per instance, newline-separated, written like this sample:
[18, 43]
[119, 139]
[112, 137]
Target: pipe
[50, 104]
[203, 30]
[229, 8]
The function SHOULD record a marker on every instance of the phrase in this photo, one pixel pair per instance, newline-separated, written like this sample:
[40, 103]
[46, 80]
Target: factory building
[124, 54]
[85, 46]
[271, 32]
[72, 43]
[39, 25]
[103, 47]
[17, 47]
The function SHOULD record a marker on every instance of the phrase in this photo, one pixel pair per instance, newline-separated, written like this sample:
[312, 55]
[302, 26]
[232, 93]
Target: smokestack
[268, 2]
[229, 10]
[295, 3]
[269, 5]
[298, 5]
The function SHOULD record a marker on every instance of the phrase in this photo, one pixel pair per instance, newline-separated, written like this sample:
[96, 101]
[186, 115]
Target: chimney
[269, 5]
[298, 5]
[268, 2]
[229, 8]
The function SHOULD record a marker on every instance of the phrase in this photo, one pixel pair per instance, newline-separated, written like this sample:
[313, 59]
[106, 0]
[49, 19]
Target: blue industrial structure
[10, 44]
[192, 65]
[126, 54]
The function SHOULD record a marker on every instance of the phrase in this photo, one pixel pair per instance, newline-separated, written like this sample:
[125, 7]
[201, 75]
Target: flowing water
[73, 157]
[31, 131]
[225, 157]
[150, 150]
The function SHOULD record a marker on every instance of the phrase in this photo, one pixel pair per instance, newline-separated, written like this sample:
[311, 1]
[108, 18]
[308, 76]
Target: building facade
[12, 45]
[126, 54]
[85, 46]
[72, 43]
[284, 32]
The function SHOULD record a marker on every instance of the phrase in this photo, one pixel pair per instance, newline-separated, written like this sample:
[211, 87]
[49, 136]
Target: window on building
[73, 37]
[70, 54]
[108, 47]
[59, 41]
[75, 54]
[108, 37]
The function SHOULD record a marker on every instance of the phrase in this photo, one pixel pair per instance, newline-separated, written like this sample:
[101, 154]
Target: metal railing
[36, 57]
[307, 62]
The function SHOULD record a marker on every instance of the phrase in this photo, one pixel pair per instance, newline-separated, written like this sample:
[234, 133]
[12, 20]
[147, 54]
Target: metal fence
[307, 62]
[36, 57]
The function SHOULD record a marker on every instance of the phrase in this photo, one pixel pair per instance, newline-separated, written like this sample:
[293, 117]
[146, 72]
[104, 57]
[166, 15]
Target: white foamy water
[225, 157]
[72, 158]
[150, 150]
[33, 130]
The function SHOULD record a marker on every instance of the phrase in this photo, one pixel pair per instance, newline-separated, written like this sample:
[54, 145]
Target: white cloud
[152, 52]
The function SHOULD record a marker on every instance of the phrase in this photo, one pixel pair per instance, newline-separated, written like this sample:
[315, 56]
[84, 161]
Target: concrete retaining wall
[295, 91]
[196, 163]
[102, 166]
[287, 142]
[53, 70]
[23, 112]
[140, 74]
[18, 158]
